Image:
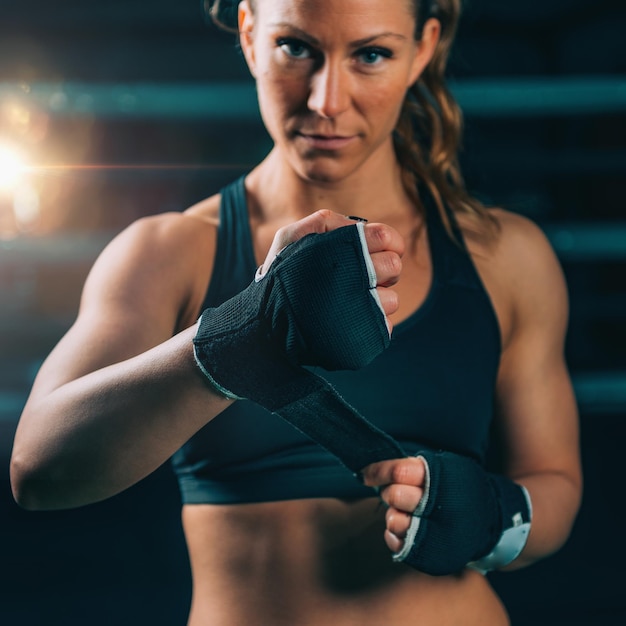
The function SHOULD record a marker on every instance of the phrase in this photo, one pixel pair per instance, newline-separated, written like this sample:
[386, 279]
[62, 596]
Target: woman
[278, 531]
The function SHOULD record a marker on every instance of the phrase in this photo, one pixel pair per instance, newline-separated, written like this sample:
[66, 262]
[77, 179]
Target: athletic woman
[279, 531]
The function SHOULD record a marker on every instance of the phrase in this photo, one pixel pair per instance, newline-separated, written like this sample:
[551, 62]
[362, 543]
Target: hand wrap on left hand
[316, 305]
[466, 517]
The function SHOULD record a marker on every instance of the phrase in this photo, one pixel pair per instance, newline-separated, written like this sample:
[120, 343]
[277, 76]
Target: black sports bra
[434, 386]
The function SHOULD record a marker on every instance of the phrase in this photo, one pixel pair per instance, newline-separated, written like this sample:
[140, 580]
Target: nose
[330, 90]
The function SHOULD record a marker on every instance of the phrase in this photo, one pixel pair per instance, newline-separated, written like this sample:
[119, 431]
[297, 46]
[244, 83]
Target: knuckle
[402, 474]
[394, 527]
[393, 543]
[380, 234]
[397, 522]
[393, 494]
[286, 234]
[394, 300]
[371, 474]
[389, 299]
[391, 519]
[394, 263]
[324, 214]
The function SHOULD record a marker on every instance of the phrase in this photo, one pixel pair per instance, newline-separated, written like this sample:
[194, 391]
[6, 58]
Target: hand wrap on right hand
[466, 517]
[317, 305]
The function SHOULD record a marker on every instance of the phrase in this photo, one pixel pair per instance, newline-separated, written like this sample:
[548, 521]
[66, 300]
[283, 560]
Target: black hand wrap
[317, 305]
[467, 516]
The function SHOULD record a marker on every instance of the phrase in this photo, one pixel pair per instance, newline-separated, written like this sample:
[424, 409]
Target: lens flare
[12, 167]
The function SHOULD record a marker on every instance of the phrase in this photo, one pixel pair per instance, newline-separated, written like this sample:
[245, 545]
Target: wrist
[515, 518]
[201, 362]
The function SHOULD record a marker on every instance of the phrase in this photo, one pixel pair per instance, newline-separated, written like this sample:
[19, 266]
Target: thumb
[322, 221]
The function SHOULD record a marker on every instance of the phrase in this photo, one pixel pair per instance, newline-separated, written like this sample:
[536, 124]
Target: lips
[326, 142]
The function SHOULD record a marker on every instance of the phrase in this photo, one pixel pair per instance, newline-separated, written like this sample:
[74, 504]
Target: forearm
[99, 434]
[555, 501]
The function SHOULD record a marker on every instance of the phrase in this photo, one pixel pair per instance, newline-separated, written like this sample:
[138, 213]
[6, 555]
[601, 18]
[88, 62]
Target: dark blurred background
[121, 109]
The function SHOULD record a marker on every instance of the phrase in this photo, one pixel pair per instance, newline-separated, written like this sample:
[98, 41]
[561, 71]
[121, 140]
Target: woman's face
[331, 77]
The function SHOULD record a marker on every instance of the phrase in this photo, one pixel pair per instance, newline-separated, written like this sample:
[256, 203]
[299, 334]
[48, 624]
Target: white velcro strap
[371, 272]
[512, 542]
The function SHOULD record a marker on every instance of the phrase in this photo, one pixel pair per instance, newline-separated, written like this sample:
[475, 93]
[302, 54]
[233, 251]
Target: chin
[320, 177]
[324, 171]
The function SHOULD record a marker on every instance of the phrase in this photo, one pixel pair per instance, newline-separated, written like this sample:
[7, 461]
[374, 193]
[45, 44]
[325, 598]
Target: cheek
[280, 92]
[278, 99]
[383, 103]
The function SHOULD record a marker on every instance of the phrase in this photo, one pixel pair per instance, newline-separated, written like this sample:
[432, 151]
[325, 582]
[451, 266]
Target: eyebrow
[353, 44]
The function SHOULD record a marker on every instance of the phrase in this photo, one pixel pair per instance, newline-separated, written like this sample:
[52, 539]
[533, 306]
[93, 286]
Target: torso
[316, 561]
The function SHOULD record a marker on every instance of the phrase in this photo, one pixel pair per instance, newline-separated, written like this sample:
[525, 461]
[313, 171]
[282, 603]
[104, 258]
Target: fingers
[319, 222]
[386, 247]
[400, 483]
[389, 300]
[394, 543]
[322, 221]
[407, 471]
[388, 266]
[402, 497]
[398, 523]
[380, 237]
[384, 243]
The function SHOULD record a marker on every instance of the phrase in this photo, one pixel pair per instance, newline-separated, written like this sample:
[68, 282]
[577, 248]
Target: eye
[294, 48]
[373, 55]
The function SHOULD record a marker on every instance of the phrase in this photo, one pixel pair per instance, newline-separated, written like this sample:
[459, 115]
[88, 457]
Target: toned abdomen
[315, 562]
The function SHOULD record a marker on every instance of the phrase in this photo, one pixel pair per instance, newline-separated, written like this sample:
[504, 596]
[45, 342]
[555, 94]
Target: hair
[427, 136]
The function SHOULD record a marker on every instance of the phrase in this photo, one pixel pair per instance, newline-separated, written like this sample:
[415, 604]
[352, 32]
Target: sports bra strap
[234, 264]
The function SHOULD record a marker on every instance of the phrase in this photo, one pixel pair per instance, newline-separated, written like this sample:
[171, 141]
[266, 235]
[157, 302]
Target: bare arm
[122, 392]
[537, 412]
[119, 394]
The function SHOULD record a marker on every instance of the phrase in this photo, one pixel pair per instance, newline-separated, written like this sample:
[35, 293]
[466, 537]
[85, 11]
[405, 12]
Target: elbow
[33, 488]
[54, 485]
[24, 485]
[31, 472]
[21, 486]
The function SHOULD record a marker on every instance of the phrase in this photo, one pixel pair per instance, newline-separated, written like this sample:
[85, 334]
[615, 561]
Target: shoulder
[153, 241]
[160, 261]
[168, 240]
[146, 285]
[512, 235]
[521, 273]
[525, 256]
[519, 244]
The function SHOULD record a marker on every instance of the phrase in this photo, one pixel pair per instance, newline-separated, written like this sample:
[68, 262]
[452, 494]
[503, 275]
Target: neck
[374, 191]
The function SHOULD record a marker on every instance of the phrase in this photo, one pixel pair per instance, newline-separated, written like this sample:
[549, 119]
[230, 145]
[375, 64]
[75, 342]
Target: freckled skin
[333, 88]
